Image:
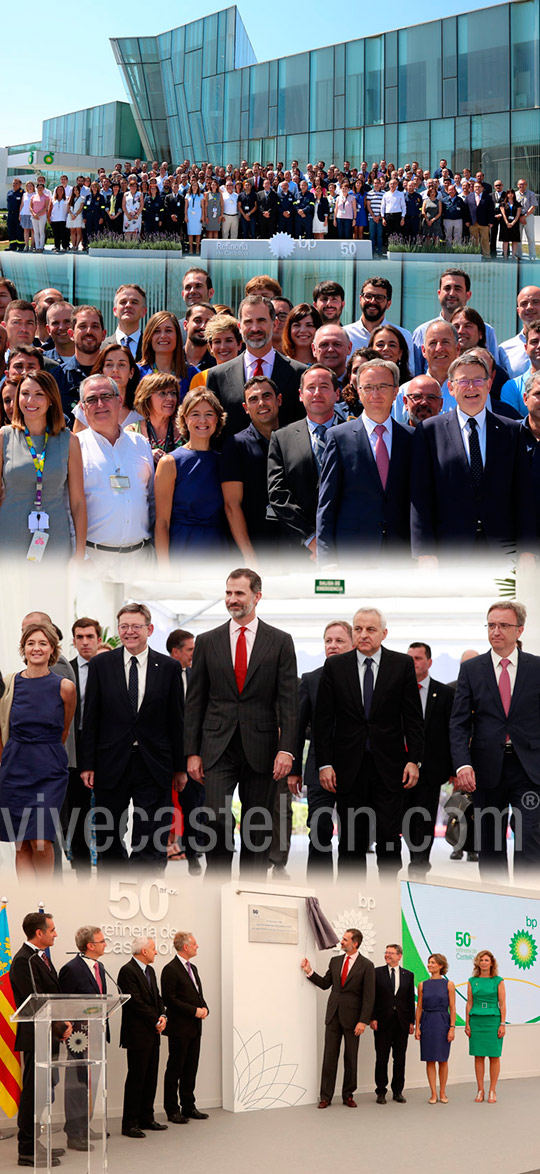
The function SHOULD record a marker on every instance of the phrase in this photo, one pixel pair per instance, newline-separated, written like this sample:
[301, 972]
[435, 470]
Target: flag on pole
[10, 1065]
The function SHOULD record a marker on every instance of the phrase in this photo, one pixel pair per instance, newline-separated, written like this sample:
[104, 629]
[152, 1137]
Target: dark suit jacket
[77, 717]
[181, 999]
[76, 979]
[446, 507]
[479, 725]
[436, 766]
[46, 982]
[482, 213]
[267, 202]
[110, 727]
[307, 697]
[227, 382]
[265, 711]
[352, 1002]
[388, 1004]
[293, 481]
[395, 726]
[110, 340]
[354, 509]
[142, 1011]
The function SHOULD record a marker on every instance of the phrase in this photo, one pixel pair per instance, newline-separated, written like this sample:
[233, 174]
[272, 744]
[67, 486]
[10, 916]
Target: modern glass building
[101, 130]
[466, 88]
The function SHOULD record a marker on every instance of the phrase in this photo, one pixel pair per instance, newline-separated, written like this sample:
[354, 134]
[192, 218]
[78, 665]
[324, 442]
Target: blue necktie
[319, 442]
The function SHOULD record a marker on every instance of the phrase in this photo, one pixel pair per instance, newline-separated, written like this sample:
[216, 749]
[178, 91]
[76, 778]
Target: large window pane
[154, 89]
[449, 38]
[374, 80]
[194, 35]
[483, 81]
[322, 89]
[373, 144]
[354, 90]
[442, 142]
[391, 144]
[413, 139]
[321, 146]
[210, 44]
[231, 120]
[212, 107]
[490, 146]
[177, 54]
[148, 48]
[525, 58]
[391, 104]
[390, 64]
[297, 148]
[526, 148]
[462, 157]
[268, 151]
[339, 69]
[192, 79]
[293, 95]
[420, 72]
[449, 97]
[258, 106]
[354, 147]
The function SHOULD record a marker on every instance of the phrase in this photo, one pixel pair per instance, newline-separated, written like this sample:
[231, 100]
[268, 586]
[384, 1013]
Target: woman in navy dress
[189, 502]
[34, 769]
[435, 1024]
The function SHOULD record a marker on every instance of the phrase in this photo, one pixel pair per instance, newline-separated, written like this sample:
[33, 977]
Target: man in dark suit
[143, 1021]
[82, 975]
[186, 1008]
[180, 645]
[368, 741]
[392, 1022]
[482, 213]
[129, 308]
[348, 1012]
[471, 480]
[240, 722]
[494, 736]
[31, 972]
[337, 639]
[267, 209]
[368, 461]
[256, 315]
[86, 636]
[295, 457]
[132, 741]
[421, 804]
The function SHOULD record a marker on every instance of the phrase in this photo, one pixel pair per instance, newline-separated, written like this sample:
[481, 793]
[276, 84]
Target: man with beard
[196, 346]
[375, 300]
[88, 332]
[329, 299]
[422, 400]
[453, 293]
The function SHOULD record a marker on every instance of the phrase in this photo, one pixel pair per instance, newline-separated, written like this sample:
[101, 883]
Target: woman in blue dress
[34, 767]
[435, 1024]
[189, 503]
[193, 215]
[359, 193]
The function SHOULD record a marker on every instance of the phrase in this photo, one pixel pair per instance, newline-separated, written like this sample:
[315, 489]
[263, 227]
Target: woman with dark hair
[189, 502]
[132, 204]
[193, 215]
[510, 229]
[157, 401]
[436, 1024]
[321, 213]
[74, 219]
[359, 193]
[42, 473]
[163, 350]
[153, 210]
[390, 344]
[212, 210]
[7, 401]
[349, 406]
[36, 712]
[299, 331]
[94, 211]
[116, 362]
[57, 216]
[485, 1021]
[432, 225]
[115, 214]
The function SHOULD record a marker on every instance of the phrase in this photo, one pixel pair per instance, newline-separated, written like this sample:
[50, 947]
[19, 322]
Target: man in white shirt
[512, 354]
[375, 301]
[118, 469]
[453, 293]
[231, 215]
[393, 209]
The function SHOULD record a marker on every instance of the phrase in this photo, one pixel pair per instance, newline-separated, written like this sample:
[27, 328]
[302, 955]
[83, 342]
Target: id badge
[118, 481]
[36, 550]
[38, 521]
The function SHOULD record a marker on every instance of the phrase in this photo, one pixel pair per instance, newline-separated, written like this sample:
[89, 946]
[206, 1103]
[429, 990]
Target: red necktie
[47, 961]
[98, 977]
[382, 459]
[345, 971]
[240, 659]
[258, 369]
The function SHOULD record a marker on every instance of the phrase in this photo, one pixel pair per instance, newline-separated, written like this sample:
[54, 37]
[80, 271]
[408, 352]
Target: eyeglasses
[93, 400]
[463, 384]
[373, 389]
[166, 394]
[379, 298]
[502, 627]
[415, 397]
[136, 628]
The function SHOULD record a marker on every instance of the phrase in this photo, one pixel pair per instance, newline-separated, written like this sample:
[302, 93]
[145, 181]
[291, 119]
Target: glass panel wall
[524, 30]
[525, 162]
[420, 72]
[413, 142]
[483, 75]
[442, 142]
[293, 95]
[374, 80]
[258, 104]
[354, 92]
[322, 89]
[490, 146]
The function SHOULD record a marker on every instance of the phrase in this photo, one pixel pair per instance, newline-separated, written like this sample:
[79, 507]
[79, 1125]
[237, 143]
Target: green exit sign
[329, 586]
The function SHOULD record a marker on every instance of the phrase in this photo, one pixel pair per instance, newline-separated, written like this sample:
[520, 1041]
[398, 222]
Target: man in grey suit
[240, 723]
[256, 318]
[348, 1012]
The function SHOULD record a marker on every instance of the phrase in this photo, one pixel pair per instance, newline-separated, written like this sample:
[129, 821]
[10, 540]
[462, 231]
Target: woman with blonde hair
[436, 1024]
[35, 715]
[156, 401]
[485, 1021]
[189, 502]
[224, 341]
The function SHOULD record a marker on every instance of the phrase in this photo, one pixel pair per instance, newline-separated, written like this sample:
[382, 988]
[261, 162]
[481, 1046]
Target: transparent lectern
[84, 1059]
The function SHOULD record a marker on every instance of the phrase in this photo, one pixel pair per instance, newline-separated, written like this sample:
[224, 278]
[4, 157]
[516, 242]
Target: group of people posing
[278, 430]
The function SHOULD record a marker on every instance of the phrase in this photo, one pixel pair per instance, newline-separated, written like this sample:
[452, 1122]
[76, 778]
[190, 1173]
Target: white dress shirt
[117, 517]
[121, 335]
[184, 963]
[423, 691]
[392, 203]
[376, 660]
[250, 634]
[250, 363]
[371, 425]
[360, 336]
[142, 661]
[480, 431]
[513, 356]
[82, 666]
[391, 971]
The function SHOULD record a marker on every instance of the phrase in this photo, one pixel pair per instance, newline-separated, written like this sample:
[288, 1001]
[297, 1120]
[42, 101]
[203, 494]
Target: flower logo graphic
[281, 245]
[78, 1042]
[523, 949]
[261, 1080]
[360, 921]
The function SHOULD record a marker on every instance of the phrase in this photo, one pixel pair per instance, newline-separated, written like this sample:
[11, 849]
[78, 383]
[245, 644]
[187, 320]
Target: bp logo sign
[48, 158]
[523, 949]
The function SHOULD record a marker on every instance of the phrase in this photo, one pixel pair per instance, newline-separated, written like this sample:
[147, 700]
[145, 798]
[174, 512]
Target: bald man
[422, 399]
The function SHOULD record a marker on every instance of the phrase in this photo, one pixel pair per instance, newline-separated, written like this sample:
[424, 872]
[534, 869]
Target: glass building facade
[466, 88]
[101, 130]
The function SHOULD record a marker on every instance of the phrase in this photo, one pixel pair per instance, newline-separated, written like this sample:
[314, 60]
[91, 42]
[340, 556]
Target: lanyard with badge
[38, 520]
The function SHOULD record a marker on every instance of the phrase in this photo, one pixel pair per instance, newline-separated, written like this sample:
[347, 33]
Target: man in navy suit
[186, 1008]
[181, 646]
[82, 975]
[471, 480]
[365, 475]
[482, 212]
[143, 1021]
[495, 742]
[392, 1022]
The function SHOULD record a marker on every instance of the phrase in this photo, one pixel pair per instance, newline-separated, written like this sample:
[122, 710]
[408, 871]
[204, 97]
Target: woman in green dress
[485, 1021]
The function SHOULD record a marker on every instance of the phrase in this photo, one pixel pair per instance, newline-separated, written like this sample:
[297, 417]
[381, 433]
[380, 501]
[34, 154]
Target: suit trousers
[419, 825]
[25, 1119]
[181, 1073]
[140, 1087]
[152, 813]
[371, 809]
[334, 1034]
[491, 821]
[190, 800]
[390, 1037]
[281, 825]
[321, 829]
[75, 823]
[480, 234]
[257, 796]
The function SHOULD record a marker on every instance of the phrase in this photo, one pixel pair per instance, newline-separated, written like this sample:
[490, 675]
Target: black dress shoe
[133, 1132]
[398, 1096]
[154, 1126]
[95, 1135]
[194, 866]
[56, 1151]
[457, 854]
[28, 1160]
[196, 1116]
[78, 1143]
[381, 1099]
[178, 1118]
[472, 857]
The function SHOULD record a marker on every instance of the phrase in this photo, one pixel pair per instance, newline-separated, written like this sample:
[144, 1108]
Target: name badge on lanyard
[38, 519]
[118, 481]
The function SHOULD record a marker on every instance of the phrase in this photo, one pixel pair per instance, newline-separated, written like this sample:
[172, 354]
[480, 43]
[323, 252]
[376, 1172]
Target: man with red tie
[240, 723]
[348, 1012]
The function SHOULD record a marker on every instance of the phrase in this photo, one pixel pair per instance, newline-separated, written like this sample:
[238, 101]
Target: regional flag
[10, 1066]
